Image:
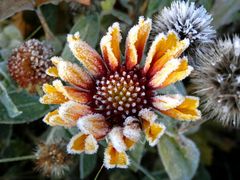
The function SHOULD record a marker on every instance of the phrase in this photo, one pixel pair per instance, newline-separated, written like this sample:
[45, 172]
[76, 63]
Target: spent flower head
[217, 80]
[28, 63]
[52, 159]
[188, 21]
[116, 99]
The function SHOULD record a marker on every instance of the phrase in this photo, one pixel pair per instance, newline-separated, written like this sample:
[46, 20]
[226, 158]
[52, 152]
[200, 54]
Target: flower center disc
[120, 95]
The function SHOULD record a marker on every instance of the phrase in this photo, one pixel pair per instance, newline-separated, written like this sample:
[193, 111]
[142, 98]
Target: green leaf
[223, 11]
[122, 16]
[7, 102]
[87, 164]
[154, 6]
[180, 157]
[10, 7]
[89, 28]
[137, 153]
[107, 5]
[29, 105]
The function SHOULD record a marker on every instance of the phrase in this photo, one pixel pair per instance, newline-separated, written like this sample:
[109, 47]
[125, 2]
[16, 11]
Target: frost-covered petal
[52, 96]
[113, 158]
[161, 44]
[94, 124]
[71, 111]
[110, 47]
[135, 42]
[86, 55]
[52, 71]
[53, 119]
[72, 93]
[159, 53]
[132, 129]
[178, 106]
[154, 132]
[174, 70]
[72, 73]
[82, 143]
[117, 139]
[148, 117]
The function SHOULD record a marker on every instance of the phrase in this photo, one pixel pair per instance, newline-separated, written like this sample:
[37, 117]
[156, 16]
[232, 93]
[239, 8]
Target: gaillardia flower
[217, 81]
[116, 100]
[28, 63]
[188, 21]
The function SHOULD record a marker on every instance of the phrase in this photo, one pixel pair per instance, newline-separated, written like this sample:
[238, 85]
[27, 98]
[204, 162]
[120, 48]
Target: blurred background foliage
[21, 127]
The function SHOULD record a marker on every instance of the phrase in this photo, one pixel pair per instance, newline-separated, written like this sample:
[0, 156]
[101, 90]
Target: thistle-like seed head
[28, 63]
[52, 159]
[217, 81]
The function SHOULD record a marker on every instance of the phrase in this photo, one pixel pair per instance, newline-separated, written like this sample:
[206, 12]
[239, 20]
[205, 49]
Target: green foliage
[180, 157]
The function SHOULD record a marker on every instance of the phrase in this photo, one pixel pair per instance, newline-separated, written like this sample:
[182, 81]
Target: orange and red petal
[135, 42]
[72, 93]
[52, 96]
[110, 47]
[71, 111]
[174, 70]
[71, 73]
[82, 143]
[113, 158]
[154, 132]
[86, 55]
[94, 124]
[178, 106]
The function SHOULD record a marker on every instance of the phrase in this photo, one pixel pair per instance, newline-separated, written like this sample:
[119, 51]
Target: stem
[144, 171]
[22, 158]
[48, 33]
[99, 171]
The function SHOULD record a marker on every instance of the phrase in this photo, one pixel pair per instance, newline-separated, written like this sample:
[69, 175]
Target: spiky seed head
[28, 63]
[52, 159]
[188, 20]
[217, 80]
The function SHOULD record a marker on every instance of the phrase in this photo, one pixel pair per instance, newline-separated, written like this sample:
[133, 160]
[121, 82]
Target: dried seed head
[52, 159]
[188, 20]
[28, 63]
[217, 80]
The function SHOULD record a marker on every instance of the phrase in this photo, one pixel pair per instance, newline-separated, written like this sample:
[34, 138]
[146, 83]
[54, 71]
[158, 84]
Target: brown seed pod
[28, 63]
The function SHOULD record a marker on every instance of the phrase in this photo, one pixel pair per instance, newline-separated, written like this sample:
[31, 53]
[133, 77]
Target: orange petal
[148, 117]
[72, 73]
[86, 55]
[159, 47]
[166, 102]
[162, 50]
[71, 111]
[154, 132]
[113, 158]
[110, 47]
[94, 124]
[72, 93]
[52, 96]
[136, 41]
[174, 70]
[82, 143]
[179, 74]
[132, 129]
[117, 139]
[178, 107]
[53, 119]
[52, 71]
